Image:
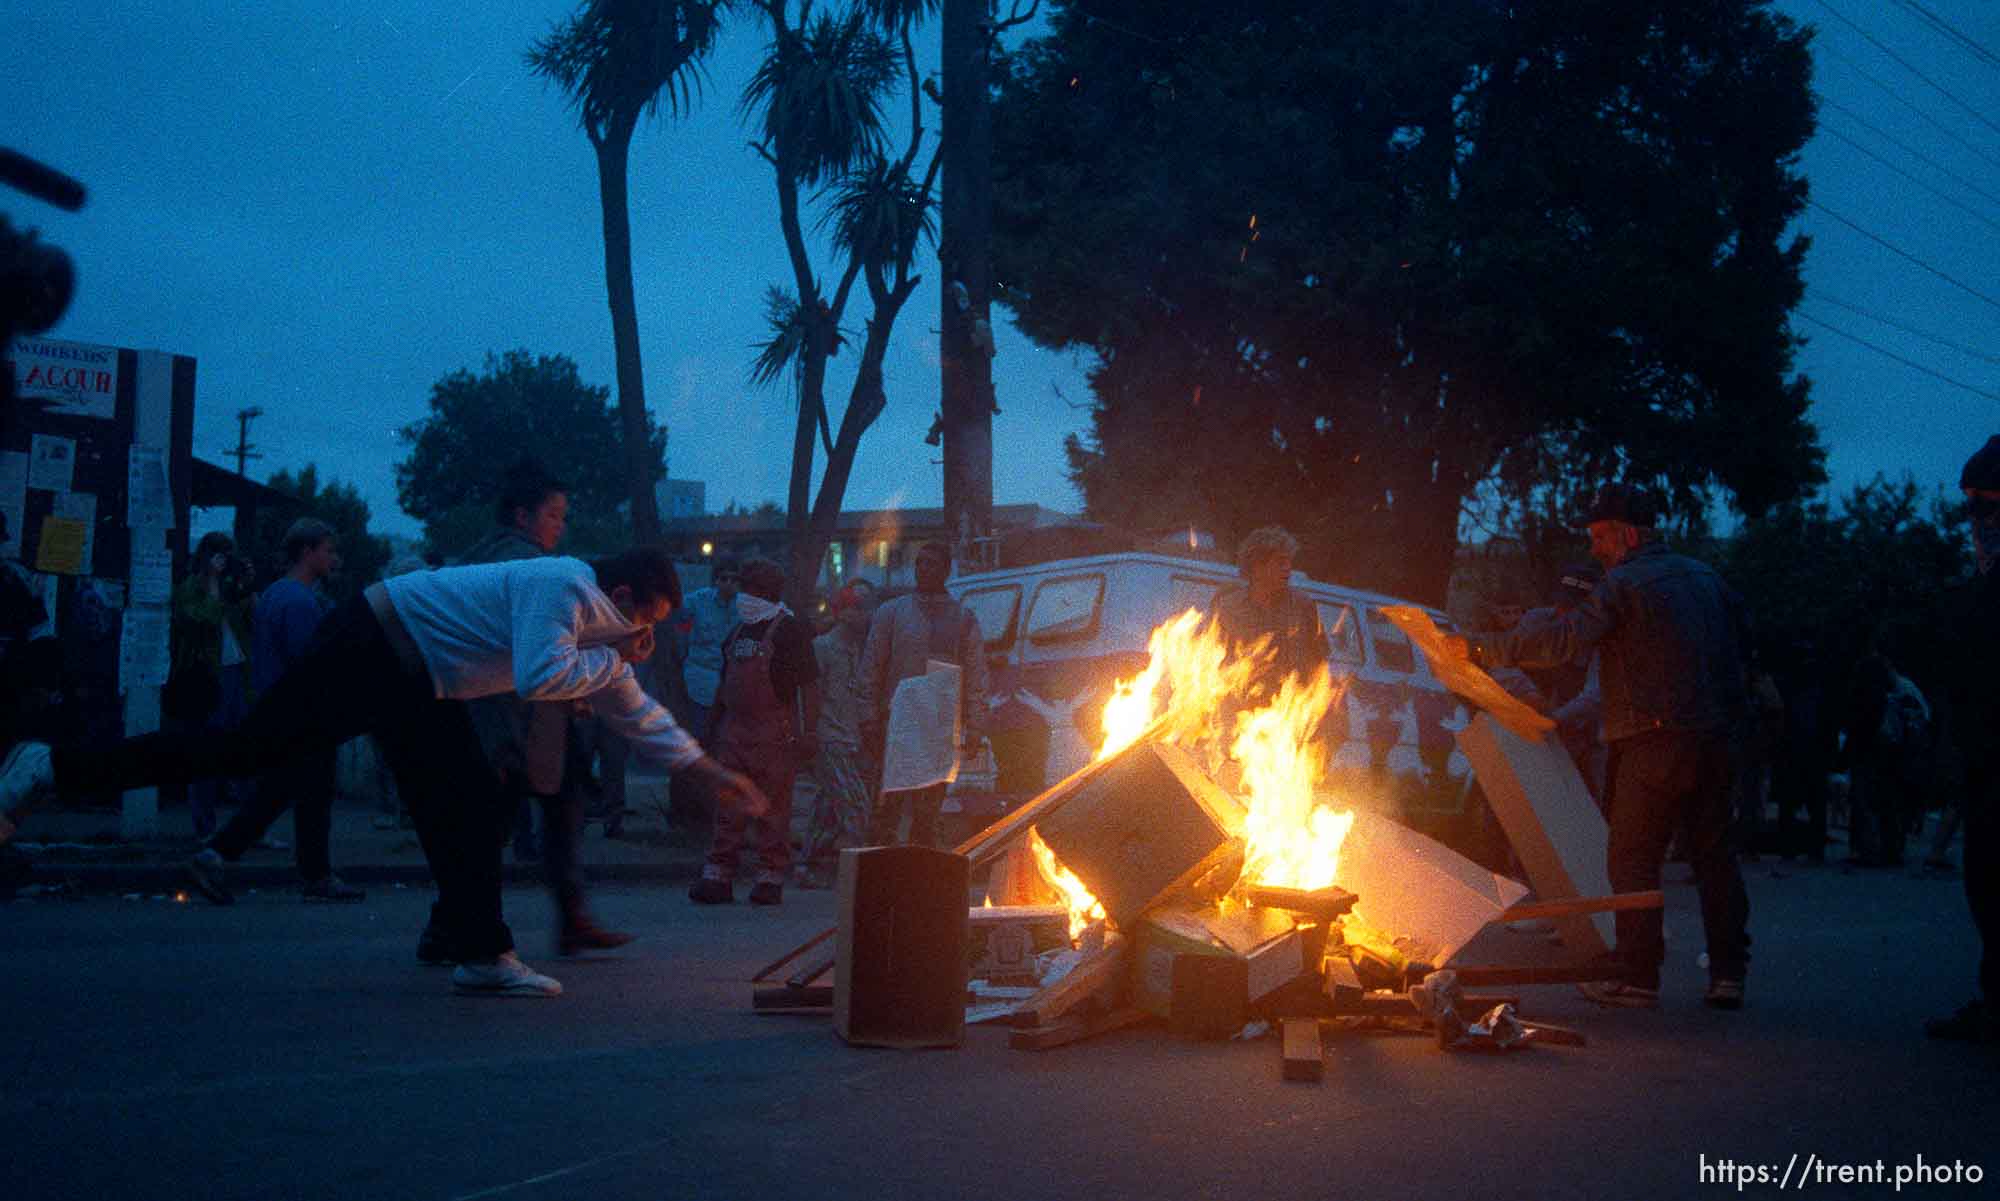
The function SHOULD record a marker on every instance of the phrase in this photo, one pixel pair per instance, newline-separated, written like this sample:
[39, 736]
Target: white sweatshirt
[538, 627]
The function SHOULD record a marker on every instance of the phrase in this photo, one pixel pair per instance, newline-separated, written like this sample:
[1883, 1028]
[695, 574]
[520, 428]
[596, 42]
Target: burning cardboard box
[1145, 828]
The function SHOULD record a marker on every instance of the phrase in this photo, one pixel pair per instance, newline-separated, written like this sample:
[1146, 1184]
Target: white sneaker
[506, 976]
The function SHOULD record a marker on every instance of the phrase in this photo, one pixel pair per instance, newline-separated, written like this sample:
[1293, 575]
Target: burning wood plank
[1148, 825]
[1322, 904]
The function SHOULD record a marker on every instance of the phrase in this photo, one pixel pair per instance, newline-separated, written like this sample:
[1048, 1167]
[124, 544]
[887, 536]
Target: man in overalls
[766, 715]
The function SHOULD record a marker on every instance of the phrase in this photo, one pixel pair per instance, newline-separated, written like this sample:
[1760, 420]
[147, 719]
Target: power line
[1911, 67]
[1966, 208]
[1892, 247]
[1911, 363]
[1912, 330]
[1906, 102]
[1908, 149]
[1953, 33]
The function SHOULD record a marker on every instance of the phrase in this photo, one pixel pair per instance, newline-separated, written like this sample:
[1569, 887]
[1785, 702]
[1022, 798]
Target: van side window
[1066, 608]
[1186, 592]
[1393, 651]
[997, 610]
[1343, 633]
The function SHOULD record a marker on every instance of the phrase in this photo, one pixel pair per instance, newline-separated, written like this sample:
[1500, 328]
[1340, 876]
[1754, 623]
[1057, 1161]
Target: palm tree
[616, 59]
[819, 96]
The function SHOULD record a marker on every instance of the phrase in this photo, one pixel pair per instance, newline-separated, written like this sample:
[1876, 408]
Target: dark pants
[924, 805]
[1664, 783]
[350, 683]
[562, 827]
[303, 785]
[1981, 864]
[1798, 780]
[1878, 821]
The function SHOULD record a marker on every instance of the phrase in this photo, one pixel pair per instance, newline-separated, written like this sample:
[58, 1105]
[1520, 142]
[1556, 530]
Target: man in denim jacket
[1670, 634]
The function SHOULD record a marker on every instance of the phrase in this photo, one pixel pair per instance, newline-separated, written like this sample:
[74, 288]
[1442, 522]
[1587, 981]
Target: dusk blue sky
[332, 206]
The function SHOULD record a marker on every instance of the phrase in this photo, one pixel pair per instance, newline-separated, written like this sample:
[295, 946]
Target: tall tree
[362, 554]
[1343, 262]
[518, 404]
[616, 59]
[818, 98]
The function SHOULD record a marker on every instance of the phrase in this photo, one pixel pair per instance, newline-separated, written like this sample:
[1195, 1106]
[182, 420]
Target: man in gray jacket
[1670, 635]
[905, 635]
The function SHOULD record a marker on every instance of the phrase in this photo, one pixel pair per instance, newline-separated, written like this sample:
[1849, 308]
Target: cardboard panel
[900, 951]
[1549, 816]
[1430, 898]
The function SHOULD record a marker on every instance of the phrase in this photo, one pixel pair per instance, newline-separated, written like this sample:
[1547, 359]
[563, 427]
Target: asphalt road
[274, 1049]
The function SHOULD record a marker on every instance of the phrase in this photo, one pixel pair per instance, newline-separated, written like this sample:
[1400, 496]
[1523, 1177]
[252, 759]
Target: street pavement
[155, 1049]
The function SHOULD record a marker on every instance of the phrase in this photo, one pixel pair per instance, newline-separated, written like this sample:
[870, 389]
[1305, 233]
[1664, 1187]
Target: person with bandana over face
[1976, 728]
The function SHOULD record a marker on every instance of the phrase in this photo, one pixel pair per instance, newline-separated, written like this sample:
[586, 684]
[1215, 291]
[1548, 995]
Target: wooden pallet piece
[794, 953]
[812, 971]
[1561, 1036]
[1575, 906]
[782, 998]
[1073, 1029]
[1303, 1056]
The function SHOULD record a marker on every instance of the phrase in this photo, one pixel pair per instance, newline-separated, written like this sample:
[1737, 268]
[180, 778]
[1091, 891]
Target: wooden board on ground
[1554, 825]
[783, 998]
[1304, 1057]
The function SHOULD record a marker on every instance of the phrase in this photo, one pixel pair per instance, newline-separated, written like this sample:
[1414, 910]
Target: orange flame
[1291, 839]
[1083, 907]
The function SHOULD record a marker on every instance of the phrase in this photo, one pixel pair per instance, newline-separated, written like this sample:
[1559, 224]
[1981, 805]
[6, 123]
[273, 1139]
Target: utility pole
[965, 223]
[244, 452]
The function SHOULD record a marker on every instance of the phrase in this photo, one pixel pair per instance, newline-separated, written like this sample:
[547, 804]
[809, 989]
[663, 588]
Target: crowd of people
[501, 687]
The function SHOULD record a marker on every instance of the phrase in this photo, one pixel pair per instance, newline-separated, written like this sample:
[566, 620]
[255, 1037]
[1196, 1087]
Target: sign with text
[73, 379]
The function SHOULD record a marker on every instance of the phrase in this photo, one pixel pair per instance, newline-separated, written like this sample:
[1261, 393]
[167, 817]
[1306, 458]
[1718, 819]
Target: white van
[1060, 634]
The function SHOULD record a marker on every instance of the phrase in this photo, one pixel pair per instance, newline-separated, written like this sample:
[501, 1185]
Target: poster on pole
[149, 504]
[51, 462]
[152, 579]
[80, 507]
[142, 648]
